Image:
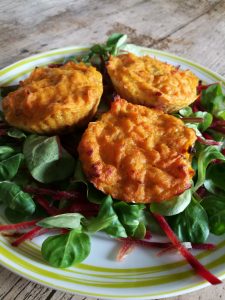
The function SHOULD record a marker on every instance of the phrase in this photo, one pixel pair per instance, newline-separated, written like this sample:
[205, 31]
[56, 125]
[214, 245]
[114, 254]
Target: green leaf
[14, 198]
[116, 41]
[130, 216]
[16, 133]
[65, 250]
[107, 220]
[93, 195]
[217, 175]
[204, 159]
[14, 217]
[140, 231]
[10, 166]
[186, 111]
[6, 151]
[192, 224]
[69, 220]
[215, 208]
[207, 120]
[23, 178]
[46, 160]
[213, 100]
[174, 206]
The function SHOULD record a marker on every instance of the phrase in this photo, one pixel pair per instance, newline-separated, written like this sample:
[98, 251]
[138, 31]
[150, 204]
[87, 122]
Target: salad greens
[14, 197]
[213, 100]
[191, 224]
[71, 203]
[174, 206]
[46, 159]
[64, 250]
[215, 208]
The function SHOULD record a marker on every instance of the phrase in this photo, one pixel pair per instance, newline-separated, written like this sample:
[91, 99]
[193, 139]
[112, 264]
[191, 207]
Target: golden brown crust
[52, 100]
[137, 154]
[150, 82]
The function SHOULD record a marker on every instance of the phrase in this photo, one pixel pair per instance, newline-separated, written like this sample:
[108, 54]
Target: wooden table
[194, 29]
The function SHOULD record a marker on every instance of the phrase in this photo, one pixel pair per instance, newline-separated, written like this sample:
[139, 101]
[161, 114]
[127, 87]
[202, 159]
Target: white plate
[142, 275]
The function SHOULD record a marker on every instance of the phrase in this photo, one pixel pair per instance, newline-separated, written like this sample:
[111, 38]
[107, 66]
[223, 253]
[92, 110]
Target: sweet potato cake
[52, 100]
[137, 154]
[150, 82]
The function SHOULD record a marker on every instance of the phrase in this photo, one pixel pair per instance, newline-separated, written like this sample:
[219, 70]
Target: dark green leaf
[204, 158]
[9, 166]
[93, 195]
[47, 161]
[65, 250]
[217, 175]
[130, 216]
[192, 224]
[115, 41]
[6, 151]
[14, 217]
[107, 220]
[14, 198]
[16, 133]
[213, 100]
[174, 206]
[215, 208]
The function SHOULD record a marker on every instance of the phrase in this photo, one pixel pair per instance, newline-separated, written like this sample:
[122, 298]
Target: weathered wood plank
[203, 40]
[52, 25]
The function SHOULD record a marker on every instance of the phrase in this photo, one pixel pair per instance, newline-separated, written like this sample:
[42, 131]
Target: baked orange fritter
[52, 100]
[150, 82]
[137, 154]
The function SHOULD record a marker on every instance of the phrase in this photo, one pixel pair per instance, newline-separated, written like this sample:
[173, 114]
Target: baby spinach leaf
[99, 53]
[192, 224]
[106, 220]
[47, 161]
[202, 126]
[217, 175]
[140, 231]
[186, 111]
[16, 133]
[14, 198]
[14, 217]
[69, 220]
[6, 151]
[130, 216]
[204, 158]
[23, 178]
[65, 250]
[10, 166]
[93, 195]
[207, 119]
[174, 206]
[215, 208]
[209, 185]
[213, 100]
[115, 41]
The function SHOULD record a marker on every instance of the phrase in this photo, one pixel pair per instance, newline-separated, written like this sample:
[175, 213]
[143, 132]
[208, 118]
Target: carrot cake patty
[147, 81]
[137, 154]
[52, 100]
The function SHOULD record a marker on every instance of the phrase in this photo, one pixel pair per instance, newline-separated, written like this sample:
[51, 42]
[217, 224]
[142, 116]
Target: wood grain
[194, 29]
